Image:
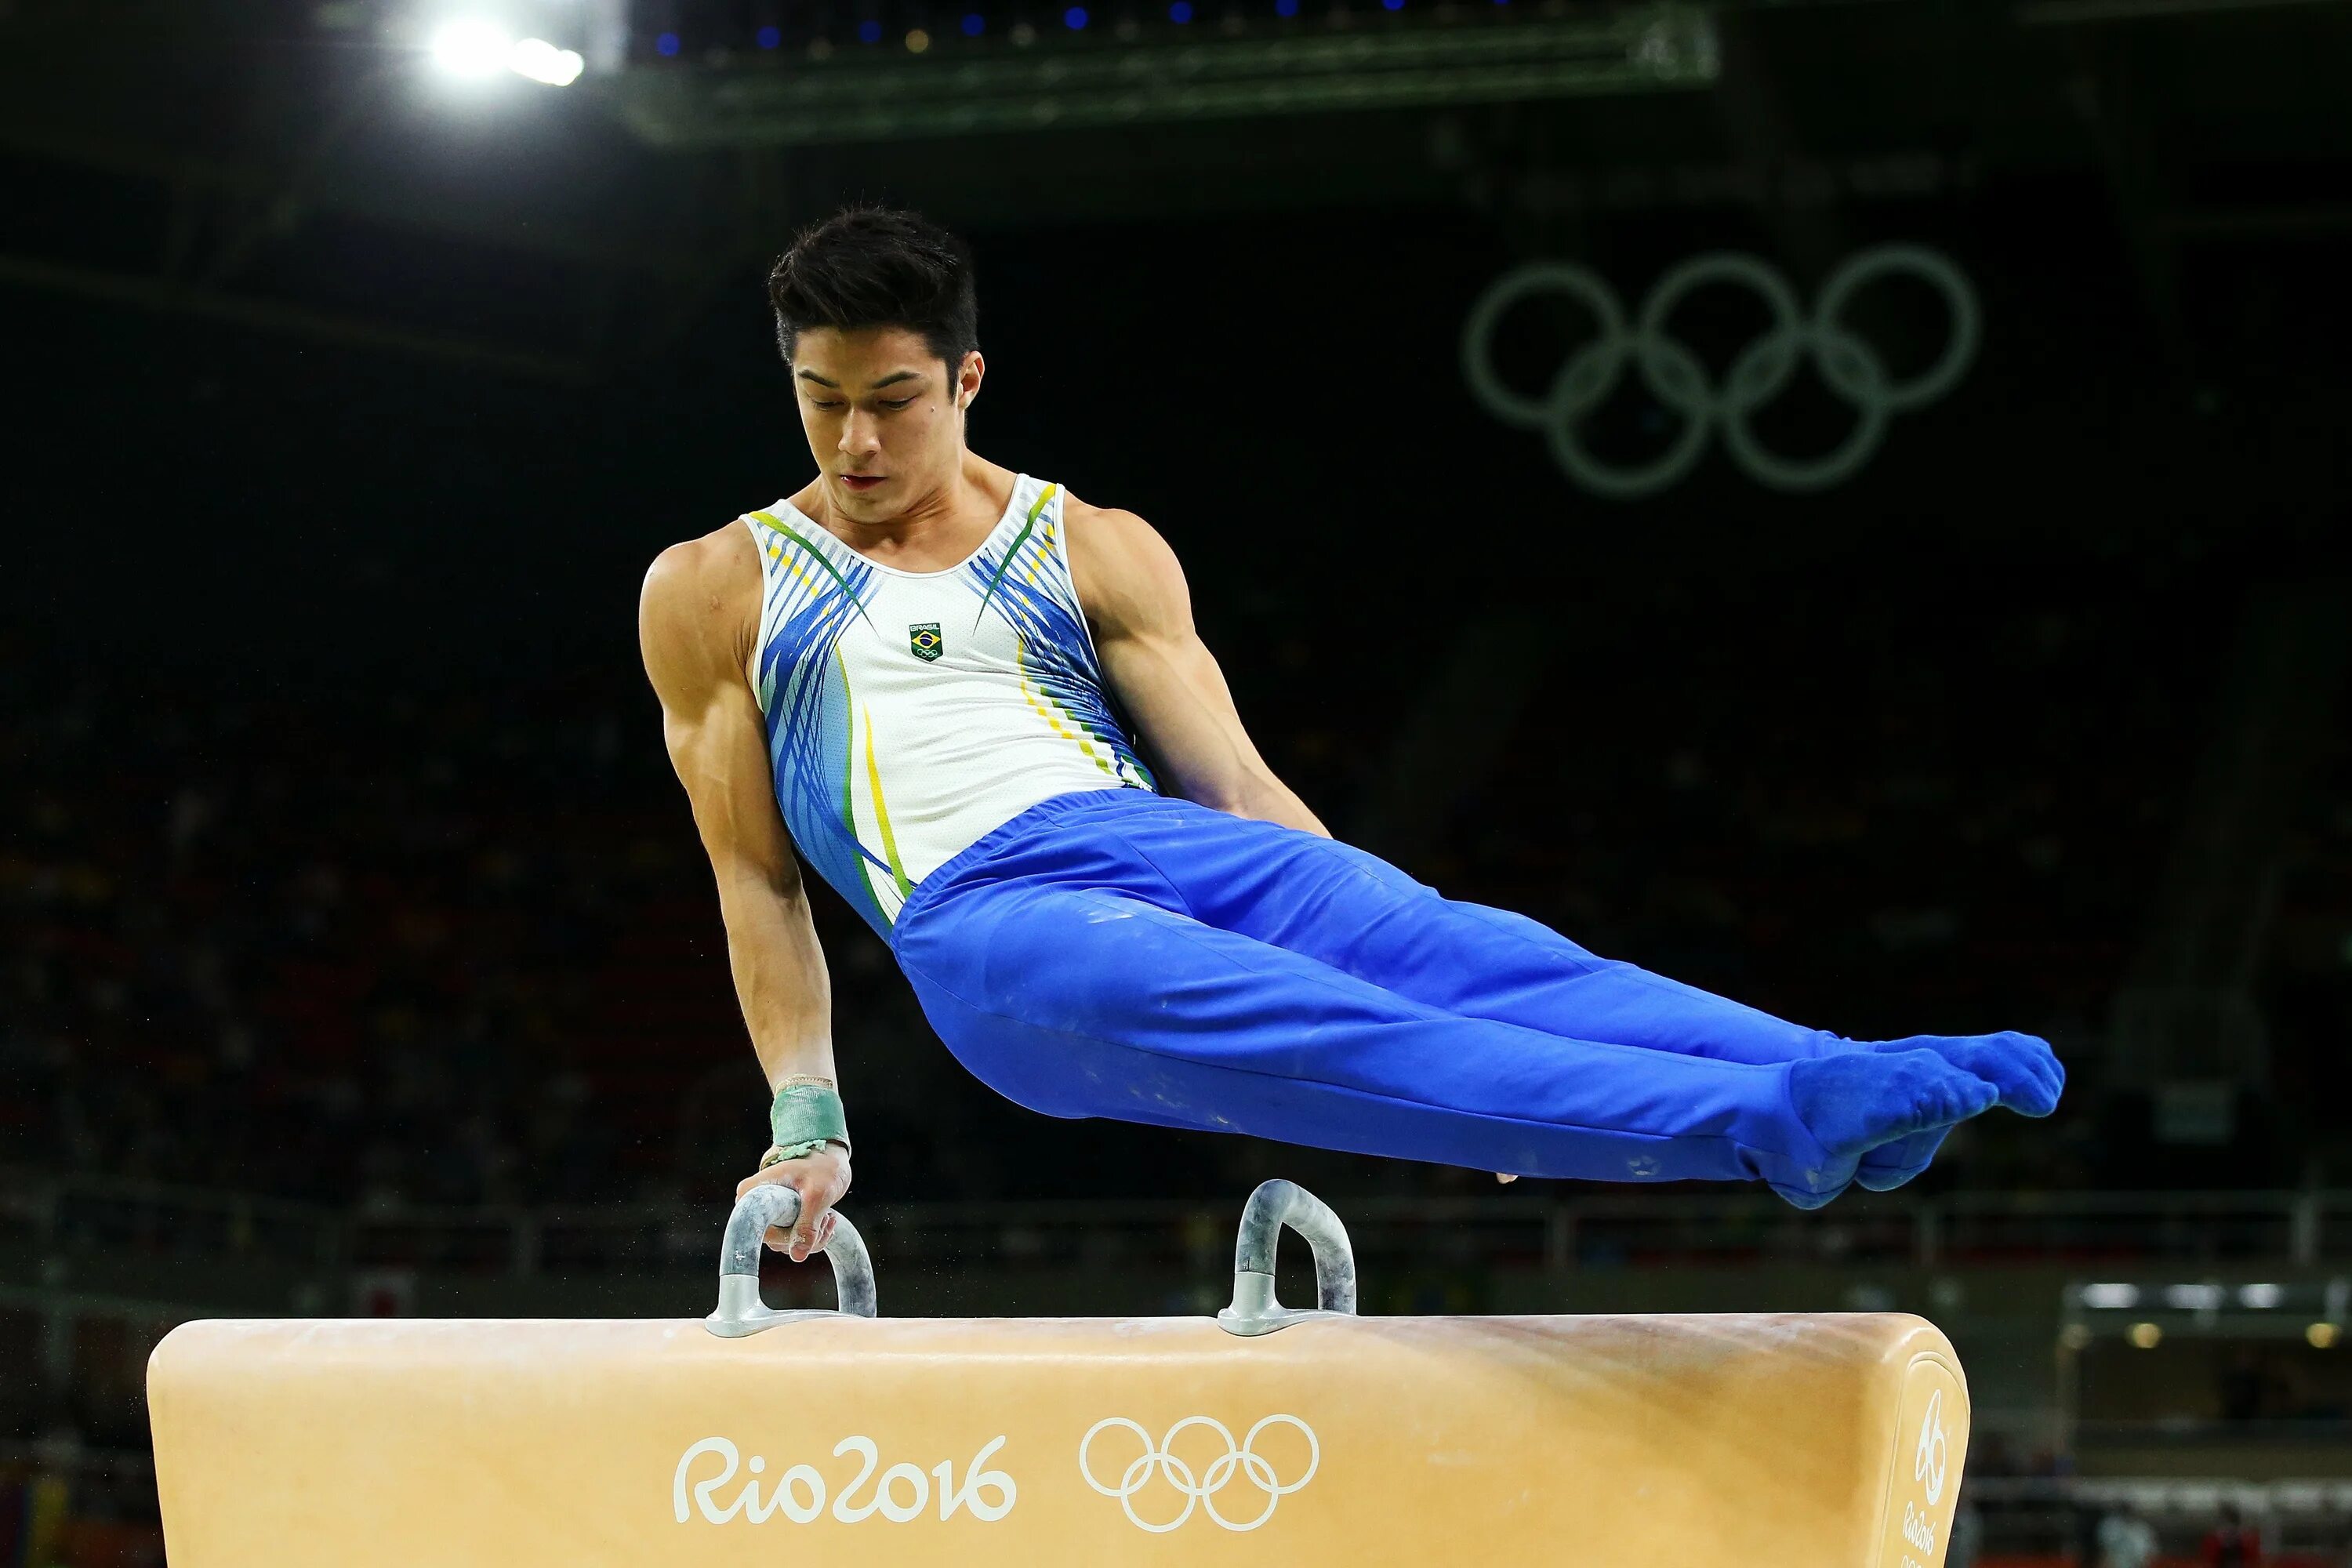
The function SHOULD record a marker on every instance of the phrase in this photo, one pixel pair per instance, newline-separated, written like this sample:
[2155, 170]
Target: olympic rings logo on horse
[1200, 1491]
[1680, 380]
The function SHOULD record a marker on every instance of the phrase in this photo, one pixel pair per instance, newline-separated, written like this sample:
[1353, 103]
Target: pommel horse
[1269, 1434]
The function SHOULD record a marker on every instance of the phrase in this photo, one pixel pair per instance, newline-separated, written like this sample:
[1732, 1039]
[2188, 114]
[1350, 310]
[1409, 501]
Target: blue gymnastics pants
[1120, 953]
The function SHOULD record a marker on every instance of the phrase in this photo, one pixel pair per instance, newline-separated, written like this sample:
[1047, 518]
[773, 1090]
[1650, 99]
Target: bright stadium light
[479, 46]
[542, 61]
[2111, 1297]
[471, 48]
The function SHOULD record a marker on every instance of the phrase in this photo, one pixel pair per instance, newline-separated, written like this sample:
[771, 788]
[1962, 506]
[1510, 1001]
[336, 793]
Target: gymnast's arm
[695, 623]
[1135, 600]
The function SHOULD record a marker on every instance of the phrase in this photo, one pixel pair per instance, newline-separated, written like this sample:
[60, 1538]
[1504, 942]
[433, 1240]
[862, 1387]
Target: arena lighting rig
[829, 71]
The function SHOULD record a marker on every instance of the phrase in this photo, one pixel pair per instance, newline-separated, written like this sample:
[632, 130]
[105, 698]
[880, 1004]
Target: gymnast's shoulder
[1114, 552]
[702, 591]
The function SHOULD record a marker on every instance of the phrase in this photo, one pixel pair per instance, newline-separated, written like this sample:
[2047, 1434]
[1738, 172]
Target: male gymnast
[940, 680]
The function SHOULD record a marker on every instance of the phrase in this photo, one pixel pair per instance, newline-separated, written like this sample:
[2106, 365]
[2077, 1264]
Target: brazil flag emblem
[925, 641]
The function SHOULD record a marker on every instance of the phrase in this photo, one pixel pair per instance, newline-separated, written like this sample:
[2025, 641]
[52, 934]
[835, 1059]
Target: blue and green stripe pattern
[1025, 582]
[907, 713]
[803, 690]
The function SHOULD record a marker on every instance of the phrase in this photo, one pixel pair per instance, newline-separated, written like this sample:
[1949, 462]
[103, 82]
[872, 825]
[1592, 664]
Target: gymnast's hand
[821, 1179]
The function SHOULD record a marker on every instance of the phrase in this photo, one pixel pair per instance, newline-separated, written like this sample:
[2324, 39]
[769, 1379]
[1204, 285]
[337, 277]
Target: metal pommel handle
[740, 1311]
[1275, 1205]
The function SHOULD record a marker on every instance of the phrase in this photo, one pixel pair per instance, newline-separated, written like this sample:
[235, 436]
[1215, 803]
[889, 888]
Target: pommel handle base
[1254, 1309]
[740, 1312]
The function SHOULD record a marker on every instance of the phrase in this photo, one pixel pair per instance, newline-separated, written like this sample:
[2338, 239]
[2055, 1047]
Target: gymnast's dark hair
[878, 266]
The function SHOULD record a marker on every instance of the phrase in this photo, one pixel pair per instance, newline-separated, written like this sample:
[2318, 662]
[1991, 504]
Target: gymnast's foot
[1890, 1165]
[1858, 1101]
[2021, 1067]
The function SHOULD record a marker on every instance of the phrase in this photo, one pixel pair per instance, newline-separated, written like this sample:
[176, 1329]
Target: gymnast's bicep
[1136, 600]
[711, 722]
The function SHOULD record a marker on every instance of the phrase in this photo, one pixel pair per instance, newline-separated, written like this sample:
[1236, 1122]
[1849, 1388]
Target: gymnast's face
[884, 415]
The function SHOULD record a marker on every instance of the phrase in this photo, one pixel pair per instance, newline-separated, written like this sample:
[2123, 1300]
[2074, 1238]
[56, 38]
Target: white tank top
[910, 713]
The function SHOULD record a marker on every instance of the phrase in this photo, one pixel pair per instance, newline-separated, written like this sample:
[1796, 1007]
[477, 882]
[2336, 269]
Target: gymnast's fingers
[814, 1228]
[768, 1176]
[795, 1174]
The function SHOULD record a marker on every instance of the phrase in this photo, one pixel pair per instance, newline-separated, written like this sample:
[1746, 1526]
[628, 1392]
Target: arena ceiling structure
[556, 188]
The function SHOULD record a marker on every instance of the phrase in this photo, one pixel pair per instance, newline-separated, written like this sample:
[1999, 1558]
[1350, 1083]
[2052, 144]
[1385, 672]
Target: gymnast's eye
[901, 402]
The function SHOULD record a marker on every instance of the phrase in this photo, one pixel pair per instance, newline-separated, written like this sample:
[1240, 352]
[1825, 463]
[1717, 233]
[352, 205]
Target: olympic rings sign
[1680, 380]
[1199, 1492]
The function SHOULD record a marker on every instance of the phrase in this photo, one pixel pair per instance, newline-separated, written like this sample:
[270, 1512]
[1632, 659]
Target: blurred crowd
[455, 943]
[425, 948]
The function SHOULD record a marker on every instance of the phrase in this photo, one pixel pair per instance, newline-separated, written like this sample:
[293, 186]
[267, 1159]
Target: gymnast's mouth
[862, 481]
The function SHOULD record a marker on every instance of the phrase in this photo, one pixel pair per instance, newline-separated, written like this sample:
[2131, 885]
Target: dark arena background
[1933, 617]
